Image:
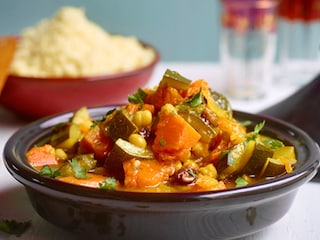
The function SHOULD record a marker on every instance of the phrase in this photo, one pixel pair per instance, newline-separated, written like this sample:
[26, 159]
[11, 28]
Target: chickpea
[177, 165]
[142, 118]
[190, 164]
[60, 154]
[201, 149]
[209, 171]
[137, 140]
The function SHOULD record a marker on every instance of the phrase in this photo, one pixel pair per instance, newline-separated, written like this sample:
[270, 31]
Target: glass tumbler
[247, 46]
[299, 40]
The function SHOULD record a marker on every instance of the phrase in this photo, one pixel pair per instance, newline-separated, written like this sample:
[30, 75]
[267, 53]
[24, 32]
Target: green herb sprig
[254, 134]
[196, 100]
[137, 97]
[49, 171]
[109, 183]
[79, 171]
[13, 227]
[241, 182]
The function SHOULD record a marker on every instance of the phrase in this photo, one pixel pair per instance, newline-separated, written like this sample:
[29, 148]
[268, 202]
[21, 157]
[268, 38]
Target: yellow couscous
[68, 44]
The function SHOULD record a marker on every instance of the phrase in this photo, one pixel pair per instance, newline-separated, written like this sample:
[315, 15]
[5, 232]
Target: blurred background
[183, 30]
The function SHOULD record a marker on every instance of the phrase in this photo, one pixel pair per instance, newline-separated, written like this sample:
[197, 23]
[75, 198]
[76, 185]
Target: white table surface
[301, 222]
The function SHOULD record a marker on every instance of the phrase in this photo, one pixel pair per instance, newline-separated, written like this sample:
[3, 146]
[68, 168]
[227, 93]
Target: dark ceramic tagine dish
[99, 214]
[301, 109]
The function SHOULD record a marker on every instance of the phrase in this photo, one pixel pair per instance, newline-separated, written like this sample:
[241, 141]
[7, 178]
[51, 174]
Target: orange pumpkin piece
[229, 125]
[41, 156]
[235, 130]
[174, 135]
[131, 108]
[223, 145]
[95, 141]
[148, 107]
[163, 95]
[195, 88]
[141, 174]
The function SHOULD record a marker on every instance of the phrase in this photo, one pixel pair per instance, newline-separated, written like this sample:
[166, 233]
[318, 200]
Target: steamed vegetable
[179, 136]
[122, 151]
[42, 155]
[174, 136]
[175, 80]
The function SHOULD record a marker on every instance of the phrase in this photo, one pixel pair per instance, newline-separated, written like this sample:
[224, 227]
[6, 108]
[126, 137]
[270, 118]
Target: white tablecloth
[301, 222]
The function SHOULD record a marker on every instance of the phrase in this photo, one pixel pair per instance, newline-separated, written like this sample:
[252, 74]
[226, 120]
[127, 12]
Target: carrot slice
[41, 156]
[145, 173]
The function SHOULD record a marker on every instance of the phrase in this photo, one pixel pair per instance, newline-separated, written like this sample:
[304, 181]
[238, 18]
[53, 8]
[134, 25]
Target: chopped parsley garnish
[79, 172]
[14, 227]
[162, 142]
[273, 143]
[196, 100]
[223, 154]
[259, 127]
[241, 182]
[49, 171]
[192, 173]
[94, 123]
[109, 183]
[137, 97]
[246, 123]
[253, 135]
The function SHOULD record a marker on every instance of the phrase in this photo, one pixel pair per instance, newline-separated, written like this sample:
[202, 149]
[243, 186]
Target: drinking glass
[299, 40]
[248, 44]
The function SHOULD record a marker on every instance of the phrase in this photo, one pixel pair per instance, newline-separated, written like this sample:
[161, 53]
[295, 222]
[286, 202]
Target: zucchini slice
[122, 151]
[238, 157]
[282, 161]
[206, 131]
[66, 136]
[120, 126]
[175, 80]
[258, 160]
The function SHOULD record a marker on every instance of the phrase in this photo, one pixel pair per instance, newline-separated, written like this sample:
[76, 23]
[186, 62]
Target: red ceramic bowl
[38, 97]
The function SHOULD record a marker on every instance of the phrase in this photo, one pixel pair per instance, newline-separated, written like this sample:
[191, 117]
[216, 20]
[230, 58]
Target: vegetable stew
[179, 136]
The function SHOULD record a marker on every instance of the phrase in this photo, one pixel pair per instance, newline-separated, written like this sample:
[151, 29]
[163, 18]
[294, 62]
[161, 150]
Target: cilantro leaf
[49, 171]
[94, 123]
[14, 227]
[273, 143]
[109, 183]
[196, 100]
[241, 182]
[254, 134]
[162, 142]
[224, 153]
[79, 172]
[259, 127]
[246, 123]
[137, 97]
